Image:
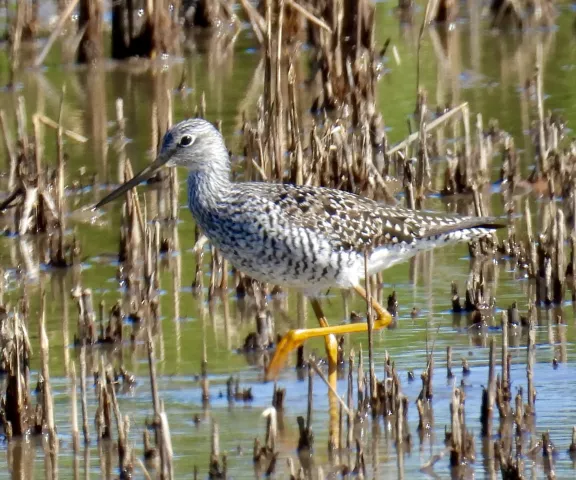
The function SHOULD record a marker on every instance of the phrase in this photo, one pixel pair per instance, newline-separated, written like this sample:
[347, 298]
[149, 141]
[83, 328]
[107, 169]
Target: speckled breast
[282, 256]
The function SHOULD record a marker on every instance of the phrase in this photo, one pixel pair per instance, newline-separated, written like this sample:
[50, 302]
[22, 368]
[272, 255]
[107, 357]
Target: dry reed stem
[370, 323]
[166, 443]
[278, 121]
[542, 152]
[85, 428]
[309, 16]
[315, 367]
[109, 382]
[17, 36]
[350, 398]
[144, 469]
[10, 151]
[55, 32]
[426, 19]
[505, 343]
[47, 400]
[38, 152]
[423, 172]
[155, 399]
[58, 125]
[21, 124]
[121, 140]
[531, 354]
[271, 415]
[74, 409]
[60, 198]
[309, 403]
[427, 128]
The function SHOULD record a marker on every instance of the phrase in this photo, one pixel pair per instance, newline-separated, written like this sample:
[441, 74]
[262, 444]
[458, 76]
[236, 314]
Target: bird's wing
[350, 221]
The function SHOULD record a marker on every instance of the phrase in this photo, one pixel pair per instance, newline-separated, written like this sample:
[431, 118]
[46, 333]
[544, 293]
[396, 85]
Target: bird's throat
[208, 190]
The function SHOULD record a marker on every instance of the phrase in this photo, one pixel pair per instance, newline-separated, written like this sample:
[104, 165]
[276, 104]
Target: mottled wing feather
[352, 222]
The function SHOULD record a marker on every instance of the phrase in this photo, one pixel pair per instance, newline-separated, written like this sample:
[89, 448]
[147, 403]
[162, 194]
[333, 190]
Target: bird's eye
[186, 140]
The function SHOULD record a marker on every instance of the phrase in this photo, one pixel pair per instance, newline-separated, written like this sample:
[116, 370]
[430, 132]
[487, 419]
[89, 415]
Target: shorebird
[303, 237]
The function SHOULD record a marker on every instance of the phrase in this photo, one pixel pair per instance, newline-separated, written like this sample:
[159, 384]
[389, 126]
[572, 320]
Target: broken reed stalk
[505, 343]
[278, 100]
[216, 470]
[17, 36]
[309, 403]
[214, 272]
[121, 140]
[204, 382]
[461, 441]
[121, 445]
[215, 440]
[542, 152]
[16, 406]
[38, 152]
[426, 19]
[61, 183]
[361, 393]
[74, 409]
[531, 354]
[350, 399]
[198, 283]
[145, 472]
[271, 429]
[57, 29]
[423, 172]
[47, 400]
[306, 437]
[428, 127]
[58, 125]
[319, 372]
[155, 399]
[487, 407]
[370, 322]
[90, 26]
[85, 428]
[10, 151]
[166, 442]
[309, 16]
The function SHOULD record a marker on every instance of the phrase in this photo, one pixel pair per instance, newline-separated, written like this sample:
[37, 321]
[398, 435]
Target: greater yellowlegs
[303, 237]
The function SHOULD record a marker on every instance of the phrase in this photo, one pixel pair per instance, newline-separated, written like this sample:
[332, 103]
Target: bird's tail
[439, 225]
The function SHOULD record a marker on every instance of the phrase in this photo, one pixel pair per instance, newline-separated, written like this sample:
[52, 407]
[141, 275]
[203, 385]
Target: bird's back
[314, 237]
[353, 222]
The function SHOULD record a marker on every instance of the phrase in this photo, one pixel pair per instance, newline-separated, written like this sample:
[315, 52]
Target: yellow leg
[294, 338]
[331, 345]
[383, 317]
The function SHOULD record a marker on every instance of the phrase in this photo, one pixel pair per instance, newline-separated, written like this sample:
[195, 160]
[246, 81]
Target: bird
[304, 237]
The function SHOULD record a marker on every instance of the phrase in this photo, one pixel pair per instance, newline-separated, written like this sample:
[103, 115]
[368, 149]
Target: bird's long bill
[145, 174]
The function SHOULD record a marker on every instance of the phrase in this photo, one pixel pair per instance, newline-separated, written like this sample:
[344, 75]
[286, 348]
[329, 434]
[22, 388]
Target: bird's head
[194, 144]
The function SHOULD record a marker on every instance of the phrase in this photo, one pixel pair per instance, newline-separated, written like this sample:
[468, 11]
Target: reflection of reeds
[17, 410]
[36, 198]
[524, 14]
[90, 24]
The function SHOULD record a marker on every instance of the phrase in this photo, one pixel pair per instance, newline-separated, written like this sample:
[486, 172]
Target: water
[469, 63]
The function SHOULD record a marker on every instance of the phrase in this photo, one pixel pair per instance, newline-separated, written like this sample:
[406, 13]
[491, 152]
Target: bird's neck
[207, 189]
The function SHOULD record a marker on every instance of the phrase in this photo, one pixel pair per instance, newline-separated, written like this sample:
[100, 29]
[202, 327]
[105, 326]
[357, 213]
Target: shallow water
[468, 63]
